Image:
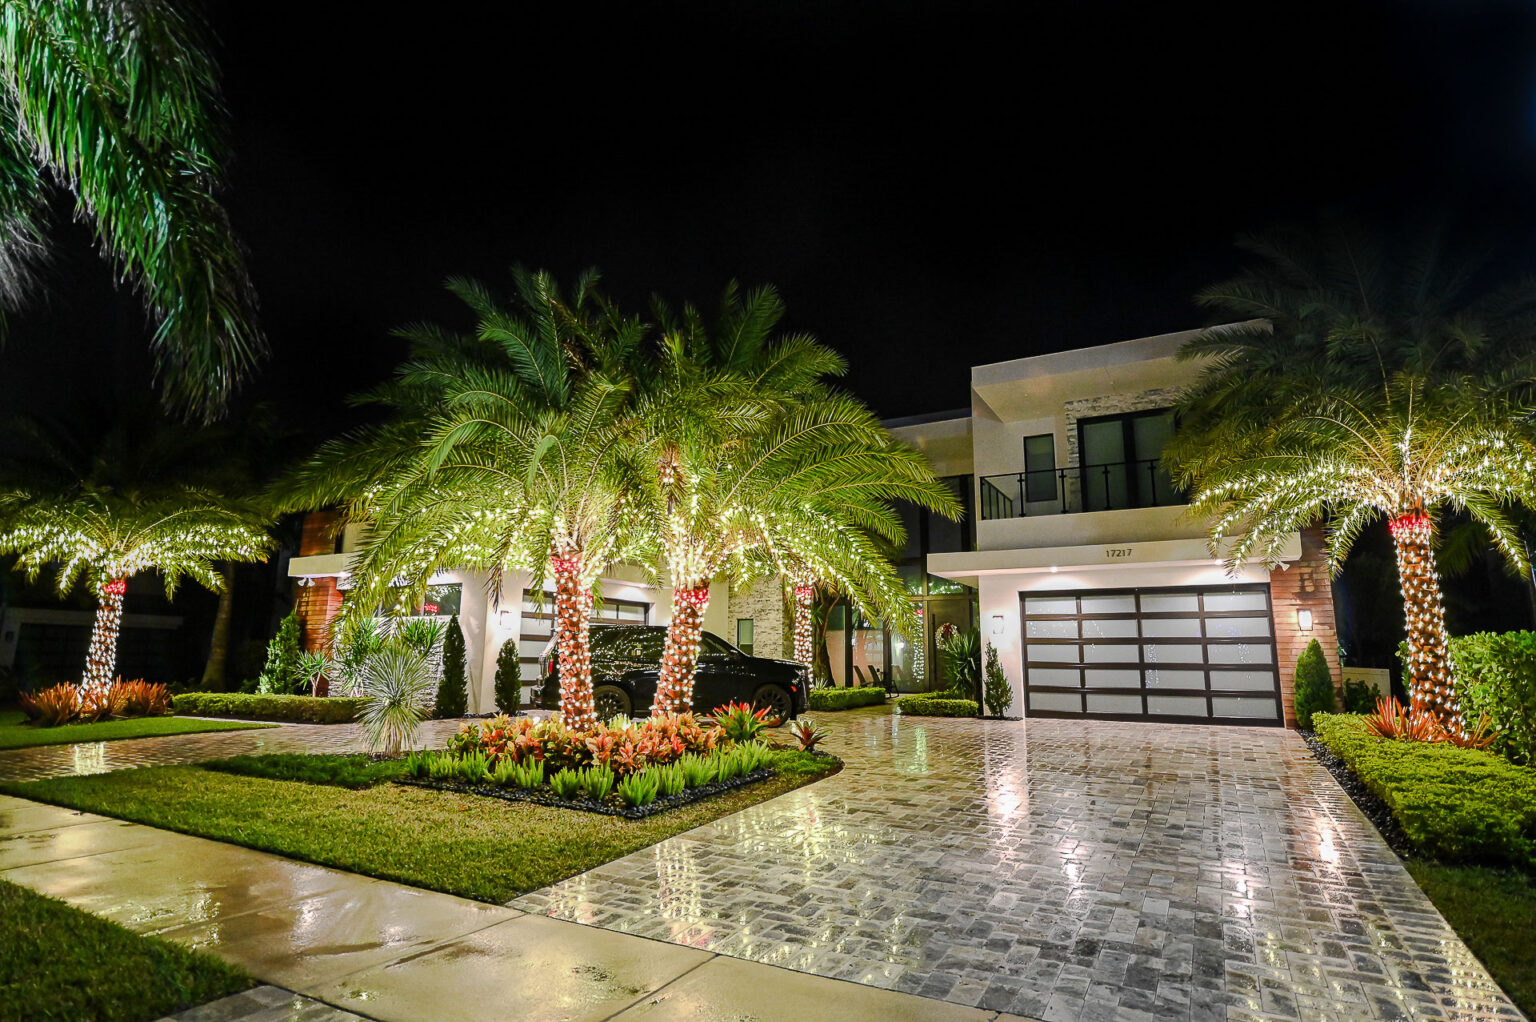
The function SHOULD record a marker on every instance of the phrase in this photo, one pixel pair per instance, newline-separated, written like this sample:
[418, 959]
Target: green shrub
[452, 689]
[698, 770]
[960, 661]
[1496, 678]
[1314, 685]
[1359, 696]
[281, 675]
[669, 779]
[845, 698]
[528, 774]
[295, 709]
[1453, 804]
[337, 771]
[931, 706]
[999, 694]
[509, 680]
[597, 782]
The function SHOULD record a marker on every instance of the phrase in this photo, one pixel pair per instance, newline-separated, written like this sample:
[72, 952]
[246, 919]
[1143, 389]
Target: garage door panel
[1184, 654]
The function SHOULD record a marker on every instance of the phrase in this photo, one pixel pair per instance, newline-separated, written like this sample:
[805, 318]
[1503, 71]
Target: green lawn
[16, 733]
[476, 847]
[61, 963]
[1494, 911]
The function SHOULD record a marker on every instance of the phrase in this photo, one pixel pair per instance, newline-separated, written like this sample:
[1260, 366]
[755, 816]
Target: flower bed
[1453, 804]
[828, 699]
[295, 709]
[930, 706]
[609, 807]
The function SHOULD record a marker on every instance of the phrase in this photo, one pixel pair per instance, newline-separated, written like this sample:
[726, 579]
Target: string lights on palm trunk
[573, 622]
[1430, 683]
[680, 656]
[804, 594]
[101, 660]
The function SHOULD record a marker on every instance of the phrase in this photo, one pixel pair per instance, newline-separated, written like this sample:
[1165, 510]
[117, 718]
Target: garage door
[1192, 655]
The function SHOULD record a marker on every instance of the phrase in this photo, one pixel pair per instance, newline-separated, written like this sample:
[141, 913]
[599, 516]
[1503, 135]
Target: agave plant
[398, 686]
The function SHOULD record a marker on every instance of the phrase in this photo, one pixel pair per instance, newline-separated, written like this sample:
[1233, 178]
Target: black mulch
[1374, 808]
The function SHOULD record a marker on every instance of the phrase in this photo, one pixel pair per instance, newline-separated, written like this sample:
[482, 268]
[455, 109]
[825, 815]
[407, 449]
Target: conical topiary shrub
[1314, 685]
[452, 689]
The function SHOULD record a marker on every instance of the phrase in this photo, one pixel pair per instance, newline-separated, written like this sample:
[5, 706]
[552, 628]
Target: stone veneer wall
[1305, 584]
[772, 629]
[1107, 404]
[318, 604]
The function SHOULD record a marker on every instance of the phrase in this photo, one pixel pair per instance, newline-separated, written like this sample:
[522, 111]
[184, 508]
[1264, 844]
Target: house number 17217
[1116, 552]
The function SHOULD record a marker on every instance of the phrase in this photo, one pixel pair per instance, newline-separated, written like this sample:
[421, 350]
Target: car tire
[610, 701]
[776, 699]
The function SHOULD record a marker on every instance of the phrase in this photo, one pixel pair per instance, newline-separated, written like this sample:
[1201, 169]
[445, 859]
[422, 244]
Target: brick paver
[1066, 870]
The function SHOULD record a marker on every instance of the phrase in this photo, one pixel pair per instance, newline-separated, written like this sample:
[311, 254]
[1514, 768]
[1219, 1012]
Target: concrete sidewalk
[392, 952]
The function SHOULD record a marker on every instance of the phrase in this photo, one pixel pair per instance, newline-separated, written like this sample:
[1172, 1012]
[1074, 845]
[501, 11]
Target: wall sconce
[1304, 620]
[505, 620]
[997, 626]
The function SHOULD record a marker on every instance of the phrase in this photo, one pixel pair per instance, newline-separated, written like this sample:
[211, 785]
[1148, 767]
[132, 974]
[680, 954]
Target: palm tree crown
[119, 103]
[1358, 386]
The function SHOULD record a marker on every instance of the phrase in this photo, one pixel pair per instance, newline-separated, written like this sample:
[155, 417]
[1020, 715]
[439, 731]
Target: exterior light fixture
[1054, 569]
[1304, 620]
[505, 618]
[997, 626]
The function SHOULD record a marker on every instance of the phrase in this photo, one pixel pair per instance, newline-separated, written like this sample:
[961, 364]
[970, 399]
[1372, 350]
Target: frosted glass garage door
[1161, 654]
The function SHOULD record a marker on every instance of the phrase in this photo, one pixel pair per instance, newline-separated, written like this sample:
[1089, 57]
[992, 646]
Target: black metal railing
[1112, 486]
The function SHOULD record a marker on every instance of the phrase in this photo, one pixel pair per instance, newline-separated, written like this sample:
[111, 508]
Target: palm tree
[505, 452]
[1363, 383]
[760, 468]
[104, 538]
[119, 104]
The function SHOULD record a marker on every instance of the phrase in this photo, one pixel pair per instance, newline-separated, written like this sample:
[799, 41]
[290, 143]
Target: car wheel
[610, 701]
[775, 700]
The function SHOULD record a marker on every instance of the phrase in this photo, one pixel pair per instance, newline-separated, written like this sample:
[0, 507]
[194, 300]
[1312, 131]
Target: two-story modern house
[1076, 558]
[1094, 583]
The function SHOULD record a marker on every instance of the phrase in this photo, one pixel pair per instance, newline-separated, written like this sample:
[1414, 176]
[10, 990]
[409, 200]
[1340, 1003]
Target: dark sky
[931, 186]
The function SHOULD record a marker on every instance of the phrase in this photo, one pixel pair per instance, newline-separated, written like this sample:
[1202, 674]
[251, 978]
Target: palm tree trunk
[101, 660]
[573, 622]
[218, 645]
[804, 594]
[1430, 681]
[680, 656]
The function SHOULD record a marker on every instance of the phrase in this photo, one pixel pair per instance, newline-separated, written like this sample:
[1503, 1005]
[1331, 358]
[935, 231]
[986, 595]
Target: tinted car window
[630, 643]
[715, 644]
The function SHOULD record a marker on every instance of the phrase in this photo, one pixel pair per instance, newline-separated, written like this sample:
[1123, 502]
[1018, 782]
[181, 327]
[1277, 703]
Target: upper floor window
[1040, 468]
[1120, 460]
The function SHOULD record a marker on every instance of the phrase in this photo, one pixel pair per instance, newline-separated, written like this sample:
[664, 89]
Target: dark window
[945, 536]
[1120, 461]
[1040, 467]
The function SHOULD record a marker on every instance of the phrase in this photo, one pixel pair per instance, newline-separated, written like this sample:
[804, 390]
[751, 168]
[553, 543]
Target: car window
[630, 643]
[714, 644]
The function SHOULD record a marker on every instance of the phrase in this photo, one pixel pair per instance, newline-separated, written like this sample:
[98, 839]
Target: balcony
[1111, 486]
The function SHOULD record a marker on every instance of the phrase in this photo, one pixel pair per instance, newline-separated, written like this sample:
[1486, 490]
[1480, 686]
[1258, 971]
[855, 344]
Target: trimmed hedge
[930, 706]
[1453, 804]
[297, 709]
[825, 699]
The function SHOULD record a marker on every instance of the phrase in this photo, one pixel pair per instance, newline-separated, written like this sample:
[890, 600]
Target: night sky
[930, 186]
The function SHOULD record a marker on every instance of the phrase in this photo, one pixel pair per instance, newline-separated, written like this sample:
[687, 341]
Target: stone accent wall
[1305, 584]
[1112, 404]
[772, 628]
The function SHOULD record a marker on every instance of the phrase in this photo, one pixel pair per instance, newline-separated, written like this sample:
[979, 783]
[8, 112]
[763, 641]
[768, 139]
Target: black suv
[626, 664]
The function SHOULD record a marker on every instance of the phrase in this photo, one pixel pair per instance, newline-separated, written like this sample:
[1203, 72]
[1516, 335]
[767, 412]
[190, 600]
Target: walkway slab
[728, 988]
[1063, 870]
[530, 969]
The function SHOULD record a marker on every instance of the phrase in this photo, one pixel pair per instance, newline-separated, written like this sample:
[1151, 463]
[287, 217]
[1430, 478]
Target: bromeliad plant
[1363, 384]
[738, 722]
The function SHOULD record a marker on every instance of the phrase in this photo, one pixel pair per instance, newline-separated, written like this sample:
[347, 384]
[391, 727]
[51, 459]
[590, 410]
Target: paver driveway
[1093, 871]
